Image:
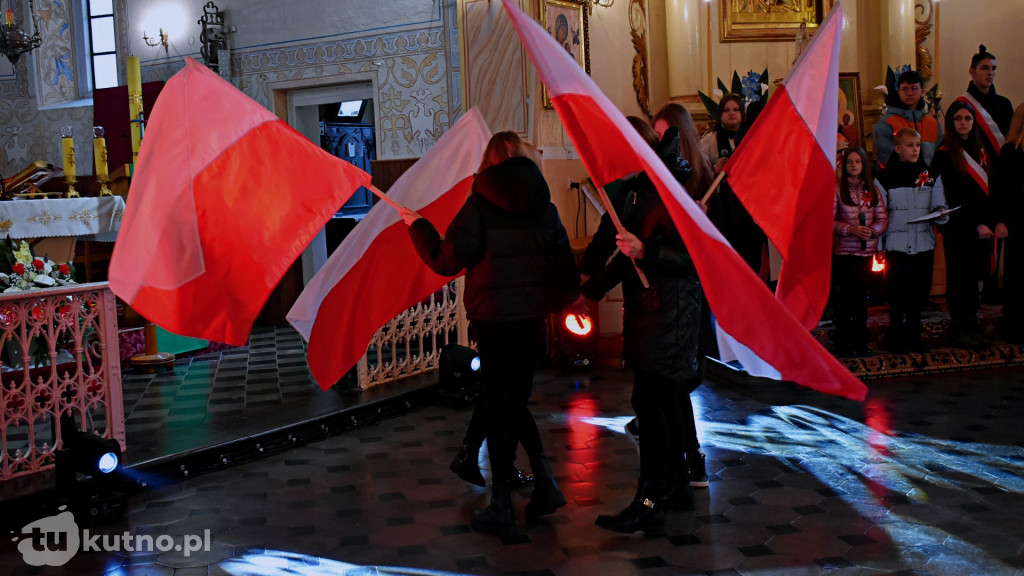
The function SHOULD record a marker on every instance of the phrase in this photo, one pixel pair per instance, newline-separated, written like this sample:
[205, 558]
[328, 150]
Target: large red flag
[784, 172]
[375, 273]
[225, 196]
[610, 149]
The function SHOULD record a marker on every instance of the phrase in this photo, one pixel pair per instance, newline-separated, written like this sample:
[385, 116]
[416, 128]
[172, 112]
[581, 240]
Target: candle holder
[67, 146]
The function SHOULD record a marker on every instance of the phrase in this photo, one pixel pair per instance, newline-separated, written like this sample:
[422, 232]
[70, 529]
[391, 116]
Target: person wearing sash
[963, 163]
[1008, 206]
[993, 113]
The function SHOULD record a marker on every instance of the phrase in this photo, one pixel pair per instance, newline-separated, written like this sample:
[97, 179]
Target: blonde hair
[1016, 133]
[689, 142]
[500, 147]
[905, 133]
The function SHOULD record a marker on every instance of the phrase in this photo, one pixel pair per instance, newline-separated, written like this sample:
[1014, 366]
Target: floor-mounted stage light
[88, 470]
[576, 338]
[459, 368]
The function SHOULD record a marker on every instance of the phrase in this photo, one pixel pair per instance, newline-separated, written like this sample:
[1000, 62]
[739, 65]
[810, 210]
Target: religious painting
[770, 20]
[568, 24]
[851, 116]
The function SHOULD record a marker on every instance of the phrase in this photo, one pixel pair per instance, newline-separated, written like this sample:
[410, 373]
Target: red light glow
[579, 325]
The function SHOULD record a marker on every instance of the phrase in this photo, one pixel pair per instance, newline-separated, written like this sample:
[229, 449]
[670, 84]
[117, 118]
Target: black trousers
[657, 402]
[850, 275]
[908, 280]
[509, 352]
[968, 260]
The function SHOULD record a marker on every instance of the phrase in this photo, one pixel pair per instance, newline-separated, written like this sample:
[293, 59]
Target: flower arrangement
[21, 270]
[752, 86]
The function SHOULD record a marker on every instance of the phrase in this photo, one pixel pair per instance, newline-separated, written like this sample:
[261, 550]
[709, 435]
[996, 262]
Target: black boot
[465, 465]
[521, 478]
[497, 518]
[645, 513]
[679, 494]
[546, 497]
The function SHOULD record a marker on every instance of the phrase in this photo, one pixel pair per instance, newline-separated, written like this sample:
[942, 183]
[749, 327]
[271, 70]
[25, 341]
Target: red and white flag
[224, 198]
[784, 172]
[376, 273]
[610, 149]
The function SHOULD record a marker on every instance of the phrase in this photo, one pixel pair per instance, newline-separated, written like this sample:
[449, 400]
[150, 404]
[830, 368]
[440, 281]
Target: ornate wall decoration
[924, 14]
[56, 82]
[641, 75]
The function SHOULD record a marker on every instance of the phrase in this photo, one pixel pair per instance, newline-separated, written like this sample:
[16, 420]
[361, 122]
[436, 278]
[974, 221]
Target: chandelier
[13, 40]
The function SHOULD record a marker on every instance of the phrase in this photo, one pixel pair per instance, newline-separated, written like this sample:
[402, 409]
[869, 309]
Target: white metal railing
[411, 342]
[58, 355]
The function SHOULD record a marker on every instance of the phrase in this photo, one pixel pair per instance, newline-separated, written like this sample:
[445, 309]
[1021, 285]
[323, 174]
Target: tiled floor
[926, 477]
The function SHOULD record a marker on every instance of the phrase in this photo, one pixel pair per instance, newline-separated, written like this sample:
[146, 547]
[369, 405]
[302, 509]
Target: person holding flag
[661, 325]
[964, 164]
[519, 268]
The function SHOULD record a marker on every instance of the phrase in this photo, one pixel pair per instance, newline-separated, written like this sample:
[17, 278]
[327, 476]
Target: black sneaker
[698, 473]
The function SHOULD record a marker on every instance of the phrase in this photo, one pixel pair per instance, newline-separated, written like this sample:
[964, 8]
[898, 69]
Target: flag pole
[714, 186]
[622, 230]
[376, 192]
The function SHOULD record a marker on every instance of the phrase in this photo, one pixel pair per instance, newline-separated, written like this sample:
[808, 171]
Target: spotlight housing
[88, 471]
[459, 371]
[576, 339]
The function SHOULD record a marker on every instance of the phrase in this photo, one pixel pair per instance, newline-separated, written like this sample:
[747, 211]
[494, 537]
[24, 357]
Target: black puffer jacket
[661, 323]
[512, 244]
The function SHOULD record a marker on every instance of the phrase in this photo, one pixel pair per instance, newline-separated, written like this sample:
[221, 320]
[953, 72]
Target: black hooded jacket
[661, 323]
[512, 244]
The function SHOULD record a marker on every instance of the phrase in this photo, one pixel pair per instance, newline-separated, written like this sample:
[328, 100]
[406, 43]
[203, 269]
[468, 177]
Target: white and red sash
[976, 171]
[985, 122]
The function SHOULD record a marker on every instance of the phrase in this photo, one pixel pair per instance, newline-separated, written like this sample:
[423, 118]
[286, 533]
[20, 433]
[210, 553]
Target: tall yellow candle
[67, 148]
[135, 103]
[99, 152]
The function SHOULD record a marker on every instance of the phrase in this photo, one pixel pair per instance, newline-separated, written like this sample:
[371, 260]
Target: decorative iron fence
[58, 355]
[411, 342]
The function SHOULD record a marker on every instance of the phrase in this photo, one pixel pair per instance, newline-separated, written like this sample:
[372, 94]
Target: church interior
[240, 443]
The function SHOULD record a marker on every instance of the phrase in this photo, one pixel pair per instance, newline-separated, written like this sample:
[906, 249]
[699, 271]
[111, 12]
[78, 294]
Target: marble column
[898, 43]
[686, 39]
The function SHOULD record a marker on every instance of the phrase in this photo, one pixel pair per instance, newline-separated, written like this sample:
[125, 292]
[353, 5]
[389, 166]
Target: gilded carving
[923, 15]
[638, 31]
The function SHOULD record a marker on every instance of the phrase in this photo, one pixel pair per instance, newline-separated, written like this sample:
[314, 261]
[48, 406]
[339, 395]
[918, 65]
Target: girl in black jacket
[519, 268]
[660, 333]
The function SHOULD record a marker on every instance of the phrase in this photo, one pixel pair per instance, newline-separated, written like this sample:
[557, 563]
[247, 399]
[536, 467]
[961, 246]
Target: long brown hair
[644, 129]
[702, 174]
[974, 144]
[865, 176]
[500, 147]
[1016, 134]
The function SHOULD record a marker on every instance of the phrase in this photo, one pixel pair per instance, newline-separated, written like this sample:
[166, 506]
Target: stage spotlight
[576, 338]
[88, 471]
[459, 368]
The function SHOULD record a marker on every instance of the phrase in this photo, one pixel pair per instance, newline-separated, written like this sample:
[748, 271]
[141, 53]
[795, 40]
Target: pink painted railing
[59, 356]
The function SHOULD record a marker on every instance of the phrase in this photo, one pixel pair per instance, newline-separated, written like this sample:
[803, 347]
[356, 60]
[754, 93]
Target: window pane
[100, 7]
[103, 34]
[105, 69]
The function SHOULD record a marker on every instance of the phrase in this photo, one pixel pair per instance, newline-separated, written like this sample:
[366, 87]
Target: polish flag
[224, 197]
[784, 172]
[376, 273]
[610, 149]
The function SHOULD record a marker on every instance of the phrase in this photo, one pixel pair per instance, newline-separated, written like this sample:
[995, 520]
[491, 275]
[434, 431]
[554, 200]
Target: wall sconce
[160, 41]
[13, 40]
[214, 39]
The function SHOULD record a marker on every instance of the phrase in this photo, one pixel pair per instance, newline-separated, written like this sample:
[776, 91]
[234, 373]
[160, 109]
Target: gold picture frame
[770, 20]
[851, 111]
[568, 23]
